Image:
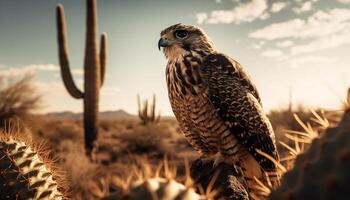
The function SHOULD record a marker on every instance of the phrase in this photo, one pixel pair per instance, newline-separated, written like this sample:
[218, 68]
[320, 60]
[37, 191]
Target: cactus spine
[160, 186]
[145, 116]
[94, 70]
[322, 172]
[23, 172]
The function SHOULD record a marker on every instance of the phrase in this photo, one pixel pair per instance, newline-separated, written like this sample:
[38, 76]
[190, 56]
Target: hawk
[217, 105]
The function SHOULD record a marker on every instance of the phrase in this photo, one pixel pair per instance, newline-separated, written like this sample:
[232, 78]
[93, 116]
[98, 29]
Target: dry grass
[122, 144]
[79, 169]
[18, 99]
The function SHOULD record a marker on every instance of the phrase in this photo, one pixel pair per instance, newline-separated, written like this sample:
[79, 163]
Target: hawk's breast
[197, 117]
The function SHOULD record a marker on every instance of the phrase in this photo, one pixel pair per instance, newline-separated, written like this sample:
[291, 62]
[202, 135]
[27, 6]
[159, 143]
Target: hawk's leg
[217, 158]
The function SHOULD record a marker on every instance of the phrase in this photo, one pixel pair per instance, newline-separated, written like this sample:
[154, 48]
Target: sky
[297, 48]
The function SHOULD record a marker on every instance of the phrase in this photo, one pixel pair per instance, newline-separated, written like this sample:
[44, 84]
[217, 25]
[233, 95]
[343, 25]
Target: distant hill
[118, 114]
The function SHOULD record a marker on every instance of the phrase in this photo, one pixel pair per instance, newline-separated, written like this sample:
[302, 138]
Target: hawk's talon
[207, 159]
[215, 158]
[218, 158]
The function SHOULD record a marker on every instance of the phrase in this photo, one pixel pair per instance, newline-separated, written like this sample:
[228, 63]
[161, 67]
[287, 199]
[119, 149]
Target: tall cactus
[348, 99]
[145, 116]
[94, 69]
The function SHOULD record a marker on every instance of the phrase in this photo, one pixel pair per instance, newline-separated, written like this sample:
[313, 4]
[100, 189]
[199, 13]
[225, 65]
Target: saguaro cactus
[145, 116]
[94, 69]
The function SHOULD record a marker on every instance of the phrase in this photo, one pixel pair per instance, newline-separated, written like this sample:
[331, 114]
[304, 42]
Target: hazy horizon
[300, 46]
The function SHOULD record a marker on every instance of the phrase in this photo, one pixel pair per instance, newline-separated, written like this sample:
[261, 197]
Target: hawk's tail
[258, 181]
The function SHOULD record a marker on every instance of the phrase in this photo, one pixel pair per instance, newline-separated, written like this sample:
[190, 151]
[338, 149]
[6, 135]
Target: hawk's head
[179, 39]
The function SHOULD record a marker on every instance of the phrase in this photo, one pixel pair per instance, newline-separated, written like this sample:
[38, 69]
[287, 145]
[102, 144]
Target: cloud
[304, 7]
[344, 1]
[264, 16]
[201, 17]
[279, 30]
[285, 43]
[329, 42]
[310, 60]
[319, 24]
[50, 88]
[43, 67]
[57, 88]
[27, 69]
[258, 45]
[243, 12]
[76, 71]
[109, 91]
[272, 53]
[278, 6]
[15, 72]
[34, 69]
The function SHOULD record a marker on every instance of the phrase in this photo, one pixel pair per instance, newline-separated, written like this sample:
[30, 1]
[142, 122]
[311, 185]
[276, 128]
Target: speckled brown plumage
[216, 103]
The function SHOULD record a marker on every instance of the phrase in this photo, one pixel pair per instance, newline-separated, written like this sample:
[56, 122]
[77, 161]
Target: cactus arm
[139, 104]
[145, 112]
[63, 55]
[158, 117]
[140, 110]
[153, 108]
[147, 115]
[348, 98]
[103, 56]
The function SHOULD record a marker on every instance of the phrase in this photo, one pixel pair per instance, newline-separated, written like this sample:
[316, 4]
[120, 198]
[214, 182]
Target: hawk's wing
[244, 77]
[236, 100]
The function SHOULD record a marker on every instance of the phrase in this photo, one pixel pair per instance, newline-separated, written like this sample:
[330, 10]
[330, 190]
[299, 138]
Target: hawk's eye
[181, 34]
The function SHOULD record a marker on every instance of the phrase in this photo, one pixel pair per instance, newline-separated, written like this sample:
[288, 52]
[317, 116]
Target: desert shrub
[145, 140]
[79, 169]
[56, 131]
[285, 118]
[65, 130]
[116, 126]
[18, 99]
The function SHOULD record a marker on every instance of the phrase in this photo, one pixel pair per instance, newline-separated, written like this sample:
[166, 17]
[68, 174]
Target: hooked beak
[162, 43]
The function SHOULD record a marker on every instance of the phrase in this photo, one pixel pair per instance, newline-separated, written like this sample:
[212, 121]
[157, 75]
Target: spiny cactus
[161, 189]
[24, 172]
[347, 101]
[202, 182]
[94, 69]
[151, 186]
[145, 116]
[322, 172]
